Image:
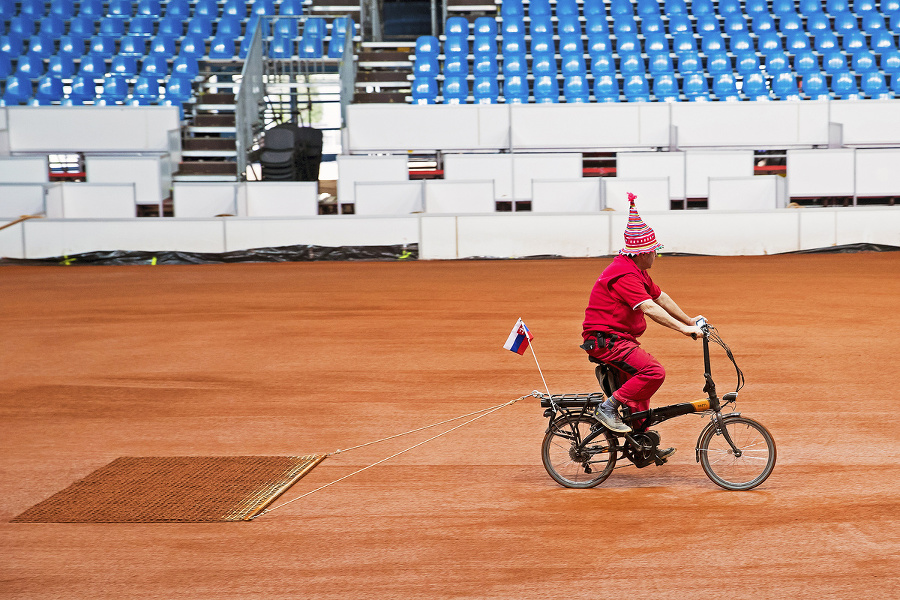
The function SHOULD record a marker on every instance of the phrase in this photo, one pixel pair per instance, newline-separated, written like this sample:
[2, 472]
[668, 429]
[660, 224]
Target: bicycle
[735, 452]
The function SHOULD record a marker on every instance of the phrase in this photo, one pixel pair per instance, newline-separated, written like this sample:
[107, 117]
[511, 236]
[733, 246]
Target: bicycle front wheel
[729, 470]
[571, 462]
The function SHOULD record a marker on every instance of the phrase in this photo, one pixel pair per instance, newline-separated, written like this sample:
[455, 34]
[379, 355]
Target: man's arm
[666, 312]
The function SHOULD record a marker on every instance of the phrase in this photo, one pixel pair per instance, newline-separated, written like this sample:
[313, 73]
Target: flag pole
[531, 345]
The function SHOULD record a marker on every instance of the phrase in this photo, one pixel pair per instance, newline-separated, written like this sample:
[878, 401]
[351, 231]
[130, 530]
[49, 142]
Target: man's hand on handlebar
[693, 331]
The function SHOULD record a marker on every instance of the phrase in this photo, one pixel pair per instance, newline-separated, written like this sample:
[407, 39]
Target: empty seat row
[67, 9]
[112, 89]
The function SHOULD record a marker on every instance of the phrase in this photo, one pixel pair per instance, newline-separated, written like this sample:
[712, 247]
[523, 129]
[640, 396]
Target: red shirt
[613, 306]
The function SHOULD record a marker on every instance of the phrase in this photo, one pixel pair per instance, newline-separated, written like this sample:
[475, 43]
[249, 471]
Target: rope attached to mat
[484, 412]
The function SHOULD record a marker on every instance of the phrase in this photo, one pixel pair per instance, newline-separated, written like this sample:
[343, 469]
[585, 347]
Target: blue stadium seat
[512, 8]
[83, 27]
[92, 65]
[747, 64]
[679, 23]
[890, 61]
[115, 88]
[509, 27]
[782, 7]
[208, 8]
[6, 68]
[845, 22]
[576, 89]
[659, 64]
[162, 45]
[602, 64]
[142, 25]
[708, 23]
[810, 7]
[458, 65]
[777, 63]
[179, 89]
[594, 8]
[149, 8]
[790, 21]
[784, 86]
[890, 7]
[689, 62]
[103, 46]
[146, 88]
[157, 65]
[863, 62]
[881, 40]
[725, 88]
[684, 42]
[673, 7]
[185, 66]
[656, 43]
[712, 42]
[627, 43]
[806, 62]
[31, 8]
[854, 41]
[513, 64]
[484, 45]
[91, 8]
[619, 7]
[570, 44]
[599, 44]
[573, 64]
[632, 64]
[30, 66]
[825, 41]
[636, 89]
[543, 64]
[864, 6]
[624, 24]
[120, 8]
[594, 26]
[125, 65]
[895, 85]
[485, 66]
[834, 62]
[514, 44]
[729, 7]
[201, 25]
[83, 89]
[71, 45]
[762, 23]
[818, 22]
[665, 88]
[741, 42]
[17, 90]
[178, 8]
[768, 42]
[844, 86]
[539, 8]
[280, 46]
[695, 87]
[112, 26]
[546, 89]
[52, 25]
[540, 44]
[41, 45]
[59, 65]
[64, 9]
[171, 26]
[286, 7]
[735, 23]
[647, 7]
[702, 8]
[311, 46]
[718, 63]
[424, 90]
[341, 28]
[133, 45]
[815, 86]
[652, 24]
[571, 25]
[874, 85]
[193, 44]
[230, 26]
[606, 88]
[485, 90]
[797, 42]
[515, 90]
[457, 26]
[754, 87]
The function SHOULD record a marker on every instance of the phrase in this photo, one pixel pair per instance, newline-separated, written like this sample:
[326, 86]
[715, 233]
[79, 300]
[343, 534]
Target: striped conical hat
[639, 237]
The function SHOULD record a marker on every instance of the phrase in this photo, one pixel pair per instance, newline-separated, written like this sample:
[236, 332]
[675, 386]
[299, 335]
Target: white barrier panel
[17, 199]
[57, 129]
[53, 237]
[566, 195]
[750, 124]
[439, 239]
[522, 234]
[820, 173]
[400, 128]
[653, 194]
[721, 233]
[868, 123]
[756, 193]
[700, 165]
[278, 199]
[818, 228]
[203, 200]
[24, 169]
[593, 126]
[324, 230]
[389, 198]
[151, 174]
[877, 173]
[650, 165]
[92, 201]
[480, 167]
[459, 197]
[12, 241]
[874, 225]
[528, 167]
[353, 169]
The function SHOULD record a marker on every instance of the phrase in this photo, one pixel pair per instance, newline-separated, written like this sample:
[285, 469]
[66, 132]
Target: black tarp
[299, 253]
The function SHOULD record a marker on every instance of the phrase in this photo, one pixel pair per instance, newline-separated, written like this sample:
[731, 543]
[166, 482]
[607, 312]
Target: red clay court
[292, 359]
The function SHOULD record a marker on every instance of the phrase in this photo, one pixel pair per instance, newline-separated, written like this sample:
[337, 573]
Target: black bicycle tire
[554, 432]
[717, 477]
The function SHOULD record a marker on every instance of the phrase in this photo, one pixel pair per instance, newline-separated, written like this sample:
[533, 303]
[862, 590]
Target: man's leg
[645, 375]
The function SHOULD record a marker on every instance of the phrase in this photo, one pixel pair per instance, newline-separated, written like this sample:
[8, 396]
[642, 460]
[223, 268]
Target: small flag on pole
[518, 338]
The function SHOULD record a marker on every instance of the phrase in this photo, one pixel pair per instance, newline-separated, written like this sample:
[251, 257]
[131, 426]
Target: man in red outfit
[615, 317]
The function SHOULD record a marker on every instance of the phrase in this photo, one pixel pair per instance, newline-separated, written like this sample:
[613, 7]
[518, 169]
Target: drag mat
[186, 489]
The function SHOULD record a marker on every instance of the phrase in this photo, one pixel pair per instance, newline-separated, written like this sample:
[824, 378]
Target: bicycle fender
[710, 425]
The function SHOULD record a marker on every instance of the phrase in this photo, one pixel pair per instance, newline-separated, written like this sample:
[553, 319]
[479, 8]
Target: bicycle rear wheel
[744, 472]
[573, 464]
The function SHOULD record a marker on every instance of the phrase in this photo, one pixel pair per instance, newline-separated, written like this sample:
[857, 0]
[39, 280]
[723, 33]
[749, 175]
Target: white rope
[485, 412]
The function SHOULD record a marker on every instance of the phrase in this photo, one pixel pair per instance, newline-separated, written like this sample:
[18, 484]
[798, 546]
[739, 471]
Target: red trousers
[639, 374]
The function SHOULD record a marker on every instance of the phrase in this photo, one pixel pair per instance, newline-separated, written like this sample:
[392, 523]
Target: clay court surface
[99, 363]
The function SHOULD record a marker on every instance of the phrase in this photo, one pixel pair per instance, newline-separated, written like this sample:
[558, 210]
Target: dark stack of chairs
[291, 153]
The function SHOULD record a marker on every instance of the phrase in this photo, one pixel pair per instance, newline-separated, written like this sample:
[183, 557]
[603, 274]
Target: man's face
[645, 260]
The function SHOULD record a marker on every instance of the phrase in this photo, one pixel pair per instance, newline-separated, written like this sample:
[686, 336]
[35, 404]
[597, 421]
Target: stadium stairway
[208, 146]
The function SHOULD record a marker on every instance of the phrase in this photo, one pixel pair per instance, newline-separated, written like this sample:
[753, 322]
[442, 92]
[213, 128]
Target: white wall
[24, 169]
[202, 200]
[459, 197]
[150, 174]
[367, 169]
[17, 199]
[460, 236]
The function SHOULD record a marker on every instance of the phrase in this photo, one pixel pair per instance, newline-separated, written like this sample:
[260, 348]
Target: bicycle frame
[653, 416]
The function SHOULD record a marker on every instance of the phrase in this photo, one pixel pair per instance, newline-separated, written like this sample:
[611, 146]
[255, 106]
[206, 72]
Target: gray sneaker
[611, 419]
[663, 454]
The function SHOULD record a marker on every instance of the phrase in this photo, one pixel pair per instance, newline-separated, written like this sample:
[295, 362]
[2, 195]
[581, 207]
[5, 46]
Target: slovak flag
[518, 338]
